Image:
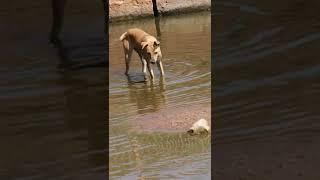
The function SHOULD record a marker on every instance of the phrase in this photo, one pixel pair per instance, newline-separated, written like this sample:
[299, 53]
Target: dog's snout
[152, 61]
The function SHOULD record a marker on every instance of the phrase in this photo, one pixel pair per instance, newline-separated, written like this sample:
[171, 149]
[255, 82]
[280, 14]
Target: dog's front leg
[150, 70]
[160, 67]
[144, 66]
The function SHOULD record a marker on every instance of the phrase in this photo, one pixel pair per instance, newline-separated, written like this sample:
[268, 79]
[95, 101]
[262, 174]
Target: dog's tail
[124, 35]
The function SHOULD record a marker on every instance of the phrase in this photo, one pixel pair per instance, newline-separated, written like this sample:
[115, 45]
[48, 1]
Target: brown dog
[147, 47]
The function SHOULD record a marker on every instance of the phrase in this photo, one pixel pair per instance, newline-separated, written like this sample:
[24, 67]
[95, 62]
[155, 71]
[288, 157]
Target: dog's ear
[144, 44]
[156, 43]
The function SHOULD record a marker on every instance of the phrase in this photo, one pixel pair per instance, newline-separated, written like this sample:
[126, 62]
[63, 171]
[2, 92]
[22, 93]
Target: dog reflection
[146, 94]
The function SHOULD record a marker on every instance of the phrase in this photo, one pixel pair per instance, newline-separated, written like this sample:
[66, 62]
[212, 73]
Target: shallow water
[266, 90]
[52, 124]
[185, 44]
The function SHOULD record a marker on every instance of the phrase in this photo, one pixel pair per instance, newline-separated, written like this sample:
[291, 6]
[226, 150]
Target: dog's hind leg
[143, 63]
[128, 54]
[128, 59]
[144, 66]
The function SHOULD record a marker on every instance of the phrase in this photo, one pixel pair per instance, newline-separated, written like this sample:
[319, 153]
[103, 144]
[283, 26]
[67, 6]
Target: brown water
[185, 43]
[267, 90]
[53, 124]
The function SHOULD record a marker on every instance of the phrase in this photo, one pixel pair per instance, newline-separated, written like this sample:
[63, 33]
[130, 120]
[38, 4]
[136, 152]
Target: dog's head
[151, 50]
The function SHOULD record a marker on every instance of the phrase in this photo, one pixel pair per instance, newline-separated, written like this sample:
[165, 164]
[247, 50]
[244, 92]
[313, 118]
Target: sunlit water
[185, 43]
[53, 124]
[266, 63]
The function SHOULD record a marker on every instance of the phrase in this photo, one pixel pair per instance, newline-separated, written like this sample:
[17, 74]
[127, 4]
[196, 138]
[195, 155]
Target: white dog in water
[199, 127]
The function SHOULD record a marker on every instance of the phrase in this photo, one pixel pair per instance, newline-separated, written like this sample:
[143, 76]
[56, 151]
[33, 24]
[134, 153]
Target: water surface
[267, 90]
[185, 43]
[53, 124]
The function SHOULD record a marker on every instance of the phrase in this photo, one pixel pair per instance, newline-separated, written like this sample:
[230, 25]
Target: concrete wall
[129, 9]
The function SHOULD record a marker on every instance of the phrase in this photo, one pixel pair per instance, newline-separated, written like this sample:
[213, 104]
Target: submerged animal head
[199, 127]
[151, 50]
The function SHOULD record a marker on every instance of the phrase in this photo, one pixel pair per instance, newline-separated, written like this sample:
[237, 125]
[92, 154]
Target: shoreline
[125, 10]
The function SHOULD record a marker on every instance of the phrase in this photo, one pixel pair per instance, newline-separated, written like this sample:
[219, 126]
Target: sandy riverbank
[130, 9]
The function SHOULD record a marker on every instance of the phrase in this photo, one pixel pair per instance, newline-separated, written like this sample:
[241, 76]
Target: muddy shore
[120, 10]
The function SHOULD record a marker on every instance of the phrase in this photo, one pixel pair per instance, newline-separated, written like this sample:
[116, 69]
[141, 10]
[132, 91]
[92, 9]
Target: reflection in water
[52, 124]
[267, 90]
[147, 95]
[78, 95]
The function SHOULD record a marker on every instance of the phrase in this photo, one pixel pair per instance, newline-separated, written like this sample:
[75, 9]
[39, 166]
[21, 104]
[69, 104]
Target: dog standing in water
[147, 47]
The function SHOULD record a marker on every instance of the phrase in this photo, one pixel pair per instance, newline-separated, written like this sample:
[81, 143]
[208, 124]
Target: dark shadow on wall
[157, 18]
[58, 8]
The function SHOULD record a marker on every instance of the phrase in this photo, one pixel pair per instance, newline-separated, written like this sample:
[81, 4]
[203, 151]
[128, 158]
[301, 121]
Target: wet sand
[172, 119]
